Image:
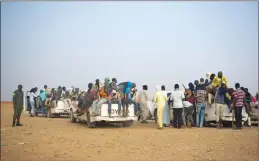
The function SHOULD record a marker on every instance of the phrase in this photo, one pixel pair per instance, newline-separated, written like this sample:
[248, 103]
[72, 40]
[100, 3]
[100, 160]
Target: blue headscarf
[127, 89]
[191, 87]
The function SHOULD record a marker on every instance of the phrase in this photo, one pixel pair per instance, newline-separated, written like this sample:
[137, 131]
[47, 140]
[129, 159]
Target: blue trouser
[110, 106]
[44, 111]
[200, 114]
[135, 106]
[228, 102]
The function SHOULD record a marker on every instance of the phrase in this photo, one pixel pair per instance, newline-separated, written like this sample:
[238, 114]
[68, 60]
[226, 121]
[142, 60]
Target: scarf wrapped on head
[129, 85]
[107, 82]
[191, 87]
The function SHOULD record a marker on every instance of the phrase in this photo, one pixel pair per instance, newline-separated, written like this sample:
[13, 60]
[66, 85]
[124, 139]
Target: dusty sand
[43, 139]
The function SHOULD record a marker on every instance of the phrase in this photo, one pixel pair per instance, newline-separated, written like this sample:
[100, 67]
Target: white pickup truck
[92, 121]
[62, 107]
[227, 118]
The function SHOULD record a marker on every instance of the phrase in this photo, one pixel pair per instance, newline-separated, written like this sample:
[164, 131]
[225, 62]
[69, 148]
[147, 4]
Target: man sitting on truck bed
[114, 97]
[97, 104]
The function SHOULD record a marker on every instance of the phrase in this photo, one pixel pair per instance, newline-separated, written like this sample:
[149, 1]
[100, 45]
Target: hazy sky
[73, 43]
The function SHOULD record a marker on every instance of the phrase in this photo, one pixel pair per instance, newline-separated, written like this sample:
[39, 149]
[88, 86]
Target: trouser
[125, 103]
[183, 117]
[210, 98]
[97, 105]
[17, 113]
[177, 120]
[238, 116]
[44, 110]
[135, 106]
[247, 108]
[219, 111]
[194, 113]
[110, 106]
[138, 108]
[188, 114]
[48, 108]
[160, 110]
[228, 102]
[32, 107]
[200, 114]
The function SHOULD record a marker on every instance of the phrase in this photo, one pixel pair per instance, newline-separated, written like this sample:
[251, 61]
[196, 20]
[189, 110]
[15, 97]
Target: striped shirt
[239, 96]
[200, 96]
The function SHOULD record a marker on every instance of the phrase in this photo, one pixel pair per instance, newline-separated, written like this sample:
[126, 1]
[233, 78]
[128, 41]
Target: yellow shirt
[217, 81]
[160, 98]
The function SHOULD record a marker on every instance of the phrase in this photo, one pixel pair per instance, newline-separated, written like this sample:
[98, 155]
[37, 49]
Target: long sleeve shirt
[216, 82]
[32, 96]
[160, 98]
[103, 94]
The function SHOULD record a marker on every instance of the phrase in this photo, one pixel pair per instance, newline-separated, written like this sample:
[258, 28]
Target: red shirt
[191, 100]
[239, 96]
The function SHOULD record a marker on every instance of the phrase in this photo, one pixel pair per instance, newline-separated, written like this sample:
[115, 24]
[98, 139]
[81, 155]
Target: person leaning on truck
[17, 105]
[220, 104]
[49, 103]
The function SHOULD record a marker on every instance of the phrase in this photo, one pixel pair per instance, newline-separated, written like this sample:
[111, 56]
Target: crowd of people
[188, 106]
[97, 94]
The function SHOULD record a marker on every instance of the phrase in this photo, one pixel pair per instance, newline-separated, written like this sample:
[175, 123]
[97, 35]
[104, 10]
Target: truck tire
[127, 123]
[207, 124]
[72, 118]
[58, 115]
[227, 123]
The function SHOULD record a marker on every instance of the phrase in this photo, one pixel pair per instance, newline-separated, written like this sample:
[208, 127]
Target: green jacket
[17, 98]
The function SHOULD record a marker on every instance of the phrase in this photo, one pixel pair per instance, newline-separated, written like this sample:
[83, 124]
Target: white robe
[145, 113]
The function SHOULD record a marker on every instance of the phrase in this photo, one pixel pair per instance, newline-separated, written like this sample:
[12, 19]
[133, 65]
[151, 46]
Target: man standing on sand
[220, 103]
[177, 97]
[17, 105]
[200, 104]
[160, 100]
[143, 98]
[239, 96]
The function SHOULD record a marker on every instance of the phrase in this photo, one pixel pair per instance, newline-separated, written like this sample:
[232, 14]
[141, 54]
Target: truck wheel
[72, 118]
[89, 123]
[206, 124]
[227, 123]
[127, 123]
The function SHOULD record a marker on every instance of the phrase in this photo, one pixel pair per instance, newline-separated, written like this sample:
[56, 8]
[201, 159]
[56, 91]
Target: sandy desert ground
[56, 139]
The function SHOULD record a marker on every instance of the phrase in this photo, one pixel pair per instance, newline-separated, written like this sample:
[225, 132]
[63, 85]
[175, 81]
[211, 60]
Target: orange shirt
[103, 94]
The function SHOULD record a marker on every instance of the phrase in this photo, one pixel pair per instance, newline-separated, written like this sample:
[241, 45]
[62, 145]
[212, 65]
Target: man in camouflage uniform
[17, 105]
